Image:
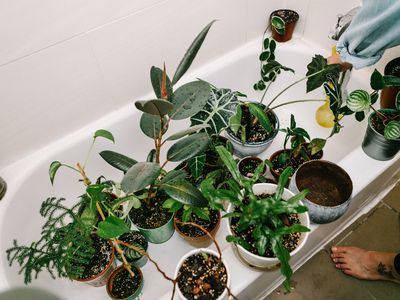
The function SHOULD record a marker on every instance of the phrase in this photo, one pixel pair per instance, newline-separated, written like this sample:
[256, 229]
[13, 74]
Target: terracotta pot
[289, 26]
[135, 294]
[389, 93]
[276, 173]
[199, 241]
[101, 278]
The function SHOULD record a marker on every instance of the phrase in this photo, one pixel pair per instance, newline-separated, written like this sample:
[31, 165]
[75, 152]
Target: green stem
[88, 154]
[297, 101]
[379, 114]
[265, 92]
[294, 83]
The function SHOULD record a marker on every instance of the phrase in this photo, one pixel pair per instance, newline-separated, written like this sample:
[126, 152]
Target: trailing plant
[264, 213]
[251, 115]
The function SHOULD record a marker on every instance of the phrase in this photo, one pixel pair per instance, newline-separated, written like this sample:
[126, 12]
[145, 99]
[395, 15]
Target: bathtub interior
[237, 70]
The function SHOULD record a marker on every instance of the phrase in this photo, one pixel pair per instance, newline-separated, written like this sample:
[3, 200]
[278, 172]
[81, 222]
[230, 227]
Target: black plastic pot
[376, 146]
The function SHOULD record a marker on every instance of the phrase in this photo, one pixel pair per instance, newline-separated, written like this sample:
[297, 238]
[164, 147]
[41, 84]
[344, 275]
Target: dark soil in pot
[294, 162]
[122, 285]
[151, 216]
[254, 132]
[331, 189]
[248, 165]
[290, 17]
[192, 231]
[101, 259]
[202, 276]
[290, 241]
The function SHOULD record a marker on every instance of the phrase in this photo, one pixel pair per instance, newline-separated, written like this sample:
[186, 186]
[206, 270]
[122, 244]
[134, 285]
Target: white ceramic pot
[224, 295]
[270, 262]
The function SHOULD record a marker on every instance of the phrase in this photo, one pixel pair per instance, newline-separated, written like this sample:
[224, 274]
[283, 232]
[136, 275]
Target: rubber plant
[148, 180]
[66, 243]
[264, 215]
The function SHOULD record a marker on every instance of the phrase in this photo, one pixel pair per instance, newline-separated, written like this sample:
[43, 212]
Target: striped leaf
[392, 130]
[398, 101]
[220, 107]
[358, 100]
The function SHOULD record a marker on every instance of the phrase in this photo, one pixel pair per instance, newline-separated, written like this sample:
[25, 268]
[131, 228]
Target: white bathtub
[29, 185]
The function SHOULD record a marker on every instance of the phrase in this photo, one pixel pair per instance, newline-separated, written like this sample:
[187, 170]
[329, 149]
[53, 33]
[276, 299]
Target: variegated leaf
[220, 107]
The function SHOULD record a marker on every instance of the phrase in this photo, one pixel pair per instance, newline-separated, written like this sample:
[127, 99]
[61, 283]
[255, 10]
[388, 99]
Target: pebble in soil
[124, 285]
[100, 260]
[202, 277]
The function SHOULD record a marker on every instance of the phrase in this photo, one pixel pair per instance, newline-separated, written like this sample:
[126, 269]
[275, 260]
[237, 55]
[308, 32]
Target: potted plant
[148, 181]
[248, 165]
[267, 222]
[283, 22]
[202, 274]
[388, 93]
[121, 285]
[133, 238]
[382, 139]
[300, 150]
[255, 125]
[330, 190]
[77, 242]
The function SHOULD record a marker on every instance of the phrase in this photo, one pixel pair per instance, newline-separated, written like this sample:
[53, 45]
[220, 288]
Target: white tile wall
[65, 63]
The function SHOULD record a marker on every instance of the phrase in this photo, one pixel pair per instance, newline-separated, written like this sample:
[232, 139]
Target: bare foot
[364, 264]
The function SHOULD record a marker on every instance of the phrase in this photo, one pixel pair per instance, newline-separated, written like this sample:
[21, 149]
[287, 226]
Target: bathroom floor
[318, 279]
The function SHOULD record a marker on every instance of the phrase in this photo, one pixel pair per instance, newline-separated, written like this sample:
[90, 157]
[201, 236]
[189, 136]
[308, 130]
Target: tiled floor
[318, 279]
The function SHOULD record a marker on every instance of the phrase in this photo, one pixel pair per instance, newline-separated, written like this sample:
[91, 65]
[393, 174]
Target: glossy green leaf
[238, 240]
[104, 134]
[112, 227]
[187, 214]
[189, 99]
[168, 203]
[151, 156]
[360, 115]
[54, 166]
[377, 82]
[283, 255]
[319, 72]
[156, 107]
[188, 147]
[283, 180]
[131, 199]
[117, 160]
[190, 130]
[185, 193]
[391, 80]
[156, 75]
[191, 53]
[229, 162]
[261, 115]
[140, 176]
[392, 130]
[151, 125]
[173, 175]
[196, 165]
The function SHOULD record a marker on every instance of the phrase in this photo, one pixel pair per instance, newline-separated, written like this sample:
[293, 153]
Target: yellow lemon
[324, 115]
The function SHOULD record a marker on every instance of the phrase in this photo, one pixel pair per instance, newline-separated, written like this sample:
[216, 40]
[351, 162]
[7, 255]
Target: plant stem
[81, 170]
[297, 101]
[294, 83]
[379, 114]
[127, 266]
[265, 92]
[88, 154]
